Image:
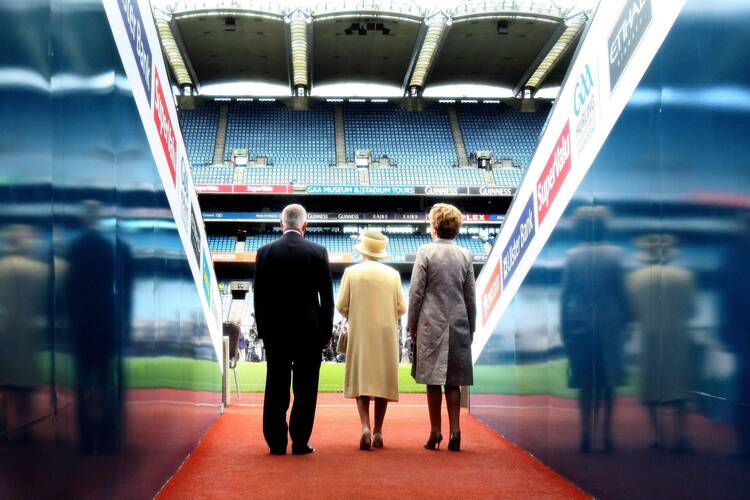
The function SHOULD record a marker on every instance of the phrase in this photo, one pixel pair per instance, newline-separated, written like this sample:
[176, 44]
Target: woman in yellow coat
[372, 300]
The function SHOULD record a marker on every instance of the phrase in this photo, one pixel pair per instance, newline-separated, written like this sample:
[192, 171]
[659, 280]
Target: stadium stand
[221, 243]
[213, 175]
[288, 138]
[508, 177]
[509, 133]
[299, 174]
[412, 140]
[300, 145]
[199, 130]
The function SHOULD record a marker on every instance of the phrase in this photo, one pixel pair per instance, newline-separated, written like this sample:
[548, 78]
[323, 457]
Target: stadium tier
[412, 140]
[213, 175]
[508, 133]
[287, 138]
[199, 128]
[399, 245]
[297, 174]
[300, 146]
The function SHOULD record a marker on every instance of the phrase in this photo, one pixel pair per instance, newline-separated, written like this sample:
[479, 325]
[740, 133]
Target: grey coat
[442, 311]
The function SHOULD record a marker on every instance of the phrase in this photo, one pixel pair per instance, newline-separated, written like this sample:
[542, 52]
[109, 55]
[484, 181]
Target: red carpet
[232, 460]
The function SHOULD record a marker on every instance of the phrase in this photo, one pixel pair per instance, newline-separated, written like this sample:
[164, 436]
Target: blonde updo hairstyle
[446, 220]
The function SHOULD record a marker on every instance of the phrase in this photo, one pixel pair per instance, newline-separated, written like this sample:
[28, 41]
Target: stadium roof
[507, 44]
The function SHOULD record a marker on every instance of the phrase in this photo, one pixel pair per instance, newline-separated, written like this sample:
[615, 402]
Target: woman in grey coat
[441, 320]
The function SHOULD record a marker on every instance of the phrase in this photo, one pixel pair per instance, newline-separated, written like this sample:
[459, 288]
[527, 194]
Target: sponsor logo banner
[184, 193]
[361, 190]
[585, 107]
[554, 173]
[243, 188]
[344, 217]
[213, 188]
[492, 191]
[491, 293]
[164, 126]
[626, 35]
[519, 242]
[233, 257]
[131, 15]
[195, 235]
[464, 191]
[339, 258]
[206, 269]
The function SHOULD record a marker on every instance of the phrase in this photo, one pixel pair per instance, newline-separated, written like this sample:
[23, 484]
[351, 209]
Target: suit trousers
[280, 363]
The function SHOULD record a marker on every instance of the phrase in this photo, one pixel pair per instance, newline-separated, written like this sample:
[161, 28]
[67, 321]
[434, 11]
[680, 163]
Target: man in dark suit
[294, 313]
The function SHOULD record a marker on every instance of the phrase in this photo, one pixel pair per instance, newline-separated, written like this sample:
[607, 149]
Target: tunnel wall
[108, 370]
[622, 360]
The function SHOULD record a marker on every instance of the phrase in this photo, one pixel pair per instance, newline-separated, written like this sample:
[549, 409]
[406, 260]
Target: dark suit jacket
[293, 293]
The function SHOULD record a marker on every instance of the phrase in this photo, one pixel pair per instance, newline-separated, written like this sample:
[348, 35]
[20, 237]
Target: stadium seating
[399, 245]
[221, 243]
[199, 131]
[288, 138]
[508, 177]
[299, 174]
[300, 145]
[509, 133]
[420, 144]
[213, 175]
[410, 139]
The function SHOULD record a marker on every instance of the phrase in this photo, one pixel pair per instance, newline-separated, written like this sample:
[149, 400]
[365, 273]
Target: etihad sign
[554, 173]
[626, 35]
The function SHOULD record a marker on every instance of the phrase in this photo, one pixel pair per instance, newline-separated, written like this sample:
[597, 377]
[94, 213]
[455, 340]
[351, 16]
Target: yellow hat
[372, 244]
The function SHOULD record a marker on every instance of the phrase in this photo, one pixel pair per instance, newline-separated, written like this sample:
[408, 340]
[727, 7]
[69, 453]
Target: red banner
[243, 188]
[164, 126]
[213, 188]
[492, 293]
[554, 173]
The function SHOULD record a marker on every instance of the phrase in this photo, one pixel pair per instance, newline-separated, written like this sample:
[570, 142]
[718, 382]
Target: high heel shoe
[377, 440]
[364, 441]
[454, 443]
[433, 443]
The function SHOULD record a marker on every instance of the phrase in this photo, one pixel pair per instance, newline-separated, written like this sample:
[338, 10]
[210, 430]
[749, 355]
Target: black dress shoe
[302, 450]
[279, 452]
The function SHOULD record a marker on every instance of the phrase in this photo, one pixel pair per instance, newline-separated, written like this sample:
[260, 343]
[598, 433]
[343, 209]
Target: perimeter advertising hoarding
[618, 45]
[134, 31]
[345, 217]
[358, 190]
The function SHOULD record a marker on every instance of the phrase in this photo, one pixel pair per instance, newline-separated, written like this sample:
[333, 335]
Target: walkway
[232, 460]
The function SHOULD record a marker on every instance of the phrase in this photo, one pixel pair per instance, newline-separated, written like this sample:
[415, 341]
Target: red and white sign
[213, 188]
[491, 293]
[554, 173]
[242, 188]
[164, 126]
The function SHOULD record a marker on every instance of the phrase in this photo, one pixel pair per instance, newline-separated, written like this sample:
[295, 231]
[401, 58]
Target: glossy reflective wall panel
[624, 360]
[107, 374]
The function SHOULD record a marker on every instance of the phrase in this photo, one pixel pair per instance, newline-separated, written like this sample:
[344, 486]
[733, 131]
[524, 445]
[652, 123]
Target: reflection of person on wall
[594, 312]
[24, 301]
[99, 285]
[663, 301]
[736, 331]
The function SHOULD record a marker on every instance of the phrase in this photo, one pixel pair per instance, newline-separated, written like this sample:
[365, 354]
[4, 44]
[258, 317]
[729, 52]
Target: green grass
[180, 373]
[548, 378]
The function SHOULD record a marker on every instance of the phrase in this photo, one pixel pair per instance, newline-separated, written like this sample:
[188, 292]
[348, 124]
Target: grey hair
[294, 216]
